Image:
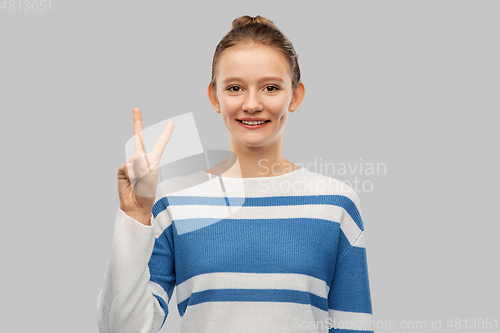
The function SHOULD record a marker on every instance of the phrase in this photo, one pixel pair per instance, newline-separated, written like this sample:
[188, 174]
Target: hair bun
[243, 20]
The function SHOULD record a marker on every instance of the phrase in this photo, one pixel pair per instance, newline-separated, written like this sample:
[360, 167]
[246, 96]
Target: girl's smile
[253, 123]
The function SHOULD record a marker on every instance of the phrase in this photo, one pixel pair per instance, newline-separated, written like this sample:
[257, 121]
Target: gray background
[410, 84]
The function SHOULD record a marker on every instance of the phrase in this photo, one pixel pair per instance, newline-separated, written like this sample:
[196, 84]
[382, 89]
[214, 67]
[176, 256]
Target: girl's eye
[231, 88]
[274, 88]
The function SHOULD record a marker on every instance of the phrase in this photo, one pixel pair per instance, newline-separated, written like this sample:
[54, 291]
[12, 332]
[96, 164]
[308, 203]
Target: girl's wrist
[141, 217]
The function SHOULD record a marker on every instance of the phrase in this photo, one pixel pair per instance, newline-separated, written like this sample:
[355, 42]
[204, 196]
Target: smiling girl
[255, 84]
[278, 249]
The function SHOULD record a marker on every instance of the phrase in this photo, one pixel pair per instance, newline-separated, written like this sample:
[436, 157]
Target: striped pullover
[269, 254]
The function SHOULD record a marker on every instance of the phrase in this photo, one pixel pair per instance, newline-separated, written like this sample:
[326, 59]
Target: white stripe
[360, 242]
[252, 317]
[350, 229]
[161, 222]
[228, 280]
[158, 290]
[325, 212]
[351, 320]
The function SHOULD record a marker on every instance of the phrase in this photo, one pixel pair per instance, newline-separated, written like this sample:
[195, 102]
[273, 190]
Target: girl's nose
[252, 102]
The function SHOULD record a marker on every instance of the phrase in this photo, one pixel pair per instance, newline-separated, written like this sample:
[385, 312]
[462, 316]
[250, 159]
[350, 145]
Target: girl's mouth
[251, 126]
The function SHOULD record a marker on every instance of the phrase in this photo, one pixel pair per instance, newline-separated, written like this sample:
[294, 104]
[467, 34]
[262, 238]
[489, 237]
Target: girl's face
[253, 81]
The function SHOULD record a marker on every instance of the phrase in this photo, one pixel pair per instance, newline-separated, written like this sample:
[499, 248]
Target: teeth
[252, 122]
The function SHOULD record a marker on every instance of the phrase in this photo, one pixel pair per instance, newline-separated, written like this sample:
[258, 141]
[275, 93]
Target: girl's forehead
[251, 50]
[254, 60]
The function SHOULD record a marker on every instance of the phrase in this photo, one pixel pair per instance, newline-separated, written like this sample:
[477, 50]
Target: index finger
[138, 133]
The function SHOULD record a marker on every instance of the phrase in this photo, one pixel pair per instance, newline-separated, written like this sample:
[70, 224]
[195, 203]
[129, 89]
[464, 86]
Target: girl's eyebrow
[267, 78]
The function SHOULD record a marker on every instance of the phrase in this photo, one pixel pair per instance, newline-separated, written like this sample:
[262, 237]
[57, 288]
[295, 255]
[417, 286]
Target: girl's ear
[212, 96]
[298, 95]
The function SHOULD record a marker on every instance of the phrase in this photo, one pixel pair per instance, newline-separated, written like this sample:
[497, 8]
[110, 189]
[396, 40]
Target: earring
[292, 108]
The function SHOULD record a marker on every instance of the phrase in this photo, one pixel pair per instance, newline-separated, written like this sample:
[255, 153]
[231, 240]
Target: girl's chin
[253, 142]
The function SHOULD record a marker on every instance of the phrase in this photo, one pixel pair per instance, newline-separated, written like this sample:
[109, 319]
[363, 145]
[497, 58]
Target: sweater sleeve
[129, 301]
[349, 300]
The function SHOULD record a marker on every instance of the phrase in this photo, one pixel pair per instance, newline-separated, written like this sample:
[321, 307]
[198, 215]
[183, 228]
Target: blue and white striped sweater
[273, 254]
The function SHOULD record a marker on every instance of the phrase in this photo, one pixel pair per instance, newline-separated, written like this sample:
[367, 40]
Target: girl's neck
[247, 167]
[262, 161]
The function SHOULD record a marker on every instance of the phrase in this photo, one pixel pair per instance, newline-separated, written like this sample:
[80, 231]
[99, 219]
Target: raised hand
[138, 176]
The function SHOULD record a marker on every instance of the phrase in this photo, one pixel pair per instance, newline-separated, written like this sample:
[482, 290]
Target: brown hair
[258, 30]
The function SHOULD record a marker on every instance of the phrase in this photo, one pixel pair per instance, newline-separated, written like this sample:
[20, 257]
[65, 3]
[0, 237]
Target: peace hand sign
[138, 176]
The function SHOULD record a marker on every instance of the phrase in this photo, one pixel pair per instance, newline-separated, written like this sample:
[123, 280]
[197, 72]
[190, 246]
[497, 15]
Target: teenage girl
[303, 266]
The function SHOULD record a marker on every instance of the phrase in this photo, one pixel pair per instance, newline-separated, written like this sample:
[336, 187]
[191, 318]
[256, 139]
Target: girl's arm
[129, 301]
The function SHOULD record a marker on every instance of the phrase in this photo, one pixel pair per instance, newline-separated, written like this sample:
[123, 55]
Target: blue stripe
[254, 295]
[299, 245]
[164, 307]
[335, 200]
[189, 225]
